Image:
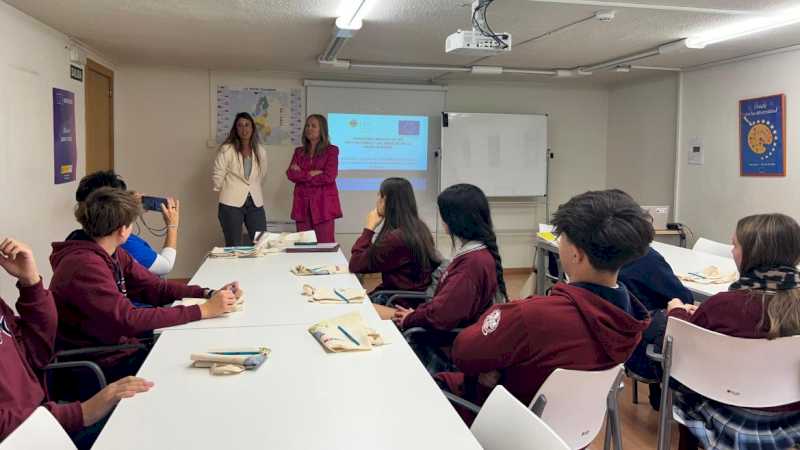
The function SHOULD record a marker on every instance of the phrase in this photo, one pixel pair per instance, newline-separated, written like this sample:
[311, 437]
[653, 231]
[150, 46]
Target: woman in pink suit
[313, 171]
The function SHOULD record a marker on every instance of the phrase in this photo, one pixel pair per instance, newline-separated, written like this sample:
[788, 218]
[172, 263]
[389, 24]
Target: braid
[491, 245]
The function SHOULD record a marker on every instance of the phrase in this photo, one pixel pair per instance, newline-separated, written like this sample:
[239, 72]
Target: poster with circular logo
[761, 136]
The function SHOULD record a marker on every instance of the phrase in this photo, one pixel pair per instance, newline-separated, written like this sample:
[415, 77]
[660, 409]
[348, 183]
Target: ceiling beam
[689, 9]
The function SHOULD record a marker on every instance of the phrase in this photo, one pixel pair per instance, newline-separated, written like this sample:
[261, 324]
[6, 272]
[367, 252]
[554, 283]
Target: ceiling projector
[475, 43]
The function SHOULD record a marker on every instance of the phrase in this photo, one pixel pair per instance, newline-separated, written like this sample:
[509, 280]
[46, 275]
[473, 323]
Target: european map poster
[762, 137]
[65, 151]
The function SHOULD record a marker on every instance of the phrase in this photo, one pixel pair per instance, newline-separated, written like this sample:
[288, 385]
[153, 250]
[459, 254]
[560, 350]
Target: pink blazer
[317, 195]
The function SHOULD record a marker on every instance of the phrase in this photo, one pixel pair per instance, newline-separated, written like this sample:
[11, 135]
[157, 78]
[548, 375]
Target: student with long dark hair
[403, 251]
[313, 171]
[239, 169]
[474, 277]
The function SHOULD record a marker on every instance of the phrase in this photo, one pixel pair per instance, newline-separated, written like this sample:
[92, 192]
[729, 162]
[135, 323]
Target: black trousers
[232, 218]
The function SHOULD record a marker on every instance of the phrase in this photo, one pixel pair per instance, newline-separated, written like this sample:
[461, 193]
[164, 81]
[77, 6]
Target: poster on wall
[277, 113]
[762, 124]
[65, 152]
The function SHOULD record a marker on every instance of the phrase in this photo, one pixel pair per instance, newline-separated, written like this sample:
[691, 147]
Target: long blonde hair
[772, 240]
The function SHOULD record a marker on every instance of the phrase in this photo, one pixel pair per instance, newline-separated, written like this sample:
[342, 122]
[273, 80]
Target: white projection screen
[380, 130]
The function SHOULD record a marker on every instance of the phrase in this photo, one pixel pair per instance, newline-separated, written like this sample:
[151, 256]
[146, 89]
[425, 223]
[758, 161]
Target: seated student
[158, 263]
[763, 304]
[93, 277]
[26, 346]
[592, 323]
[403, 251]
[475, 273]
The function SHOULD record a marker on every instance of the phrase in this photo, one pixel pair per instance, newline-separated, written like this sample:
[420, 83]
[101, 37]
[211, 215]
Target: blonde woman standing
[239, 169]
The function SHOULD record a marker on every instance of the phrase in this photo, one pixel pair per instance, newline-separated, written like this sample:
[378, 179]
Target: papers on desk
[334, 295]
[346, 333]
[239, 252]
[238, 306]
[709, 275]
[230, 361]
[267, 243]
[323, 269]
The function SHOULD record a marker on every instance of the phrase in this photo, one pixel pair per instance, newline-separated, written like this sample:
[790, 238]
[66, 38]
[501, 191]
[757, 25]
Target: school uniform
[719, 426]
[26, 346]
[578, 326]
[393, 259]
[467, 288]
[316, 199]
[91, 290]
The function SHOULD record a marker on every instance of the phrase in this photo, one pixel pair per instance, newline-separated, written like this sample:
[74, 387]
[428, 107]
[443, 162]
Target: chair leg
[635, 391]
[607, 439]
[665, 411]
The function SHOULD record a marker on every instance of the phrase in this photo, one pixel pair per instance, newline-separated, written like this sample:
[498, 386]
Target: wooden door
[99, 117]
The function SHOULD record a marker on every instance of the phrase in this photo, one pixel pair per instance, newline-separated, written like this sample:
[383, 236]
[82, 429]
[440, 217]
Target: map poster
[65, 153]
[762, 136]
[278, 113]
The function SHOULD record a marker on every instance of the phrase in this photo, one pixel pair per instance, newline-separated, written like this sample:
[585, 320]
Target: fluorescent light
[745, 28]
[351, 13]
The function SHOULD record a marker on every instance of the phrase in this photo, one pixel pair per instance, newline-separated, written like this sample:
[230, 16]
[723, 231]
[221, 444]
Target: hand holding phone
[153, 203]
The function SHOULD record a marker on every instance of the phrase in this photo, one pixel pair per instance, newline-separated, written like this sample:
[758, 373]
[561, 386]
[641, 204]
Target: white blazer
[229, 179]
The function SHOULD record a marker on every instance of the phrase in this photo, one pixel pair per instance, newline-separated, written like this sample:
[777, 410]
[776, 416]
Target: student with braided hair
[474, 279]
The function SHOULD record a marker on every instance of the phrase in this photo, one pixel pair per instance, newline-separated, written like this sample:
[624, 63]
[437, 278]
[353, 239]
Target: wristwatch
[208, 293]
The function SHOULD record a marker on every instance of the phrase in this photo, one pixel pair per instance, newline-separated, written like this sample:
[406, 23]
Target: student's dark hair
[465, 210]
[400, 213]
[96, 180]
[324, 137]
[234, 140]
[106, 209]
[609, 226]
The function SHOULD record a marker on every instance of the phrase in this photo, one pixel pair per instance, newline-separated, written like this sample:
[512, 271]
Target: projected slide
[378, 142]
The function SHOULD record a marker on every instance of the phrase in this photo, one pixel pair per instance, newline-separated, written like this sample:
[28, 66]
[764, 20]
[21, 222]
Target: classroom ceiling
[289, 35]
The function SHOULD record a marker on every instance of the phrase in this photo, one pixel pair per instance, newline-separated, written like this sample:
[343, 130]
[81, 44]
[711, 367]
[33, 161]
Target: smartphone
[153, 203]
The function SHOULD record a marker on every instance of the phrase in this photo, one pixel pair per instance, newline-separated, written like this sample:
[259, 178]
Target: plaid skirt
[723, 427]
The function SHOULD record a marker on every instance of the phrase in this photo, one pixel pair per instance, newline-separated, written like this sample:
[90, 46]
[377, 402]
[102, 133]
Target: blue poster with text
[380, 142]
[65, 150]
[761, 136]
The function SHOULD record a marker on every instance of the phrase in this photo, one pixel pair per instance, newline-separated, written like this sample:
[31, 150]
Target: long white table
[684, 260]
[301, 398]
[273, 295]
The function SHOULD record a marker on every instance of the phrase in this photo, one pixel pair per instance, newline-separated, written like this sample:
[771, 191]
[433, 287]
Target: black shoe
[655, 396]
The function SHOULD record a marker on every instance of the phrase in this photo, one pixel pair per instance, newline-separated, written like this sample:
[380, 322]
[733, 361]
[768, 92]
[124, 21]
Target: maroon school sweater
[466, 289]
[93, 310]
[526, 340]
[393, 259]
[26, 346]
[737, 314]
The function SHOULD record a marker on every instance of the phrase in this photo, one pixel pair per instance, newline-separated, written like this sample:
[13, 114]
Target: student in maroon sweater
[592, 323]
[93, 278]
[26, 346]
[763, 304]
[474, 277]
[403, 251]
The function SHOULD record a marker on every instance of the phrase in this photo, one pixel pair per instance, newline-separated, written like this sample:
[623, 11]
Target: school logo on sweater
[4, 329]
[491, 322]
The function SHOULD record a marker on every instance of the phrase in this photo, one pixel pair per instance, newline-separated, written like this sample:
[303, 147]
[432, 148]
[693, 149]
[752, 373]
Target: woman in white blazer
[240, 167]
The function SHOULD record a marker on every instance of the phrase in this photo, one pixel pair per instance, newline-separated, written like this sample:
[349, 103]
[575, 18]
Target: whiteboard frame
[500, 199]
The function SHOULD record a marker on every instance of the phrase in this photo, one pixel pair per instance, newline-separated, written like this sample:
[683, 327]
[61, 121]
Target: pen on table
[338, 294]
[235, 353]
[341, 328]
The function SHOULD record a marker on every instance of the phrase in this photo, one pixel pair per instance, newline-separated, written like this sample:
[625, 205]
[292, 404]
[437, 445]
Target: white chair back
[713, 247]
[577, 403]
[756, 373]
[506, 424]
[40, 430]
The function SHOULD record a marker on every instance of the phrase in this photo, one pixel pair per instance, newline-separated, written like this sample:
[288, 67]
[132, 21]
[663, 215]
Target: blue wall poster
[762, 136]
[65, 150]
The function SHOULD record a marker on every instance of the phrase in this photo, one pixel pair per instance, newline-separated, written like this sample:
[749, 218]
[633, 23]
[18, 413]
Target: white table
[273, 295]
[301, 398]
[684, 260]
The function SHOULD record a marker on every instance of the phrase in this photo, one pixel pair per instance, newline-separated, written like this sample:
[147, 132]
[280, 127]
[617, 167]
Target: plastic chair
[506, 424]
[713, 247]
[40, 430]
[574, 404]
[750, 373]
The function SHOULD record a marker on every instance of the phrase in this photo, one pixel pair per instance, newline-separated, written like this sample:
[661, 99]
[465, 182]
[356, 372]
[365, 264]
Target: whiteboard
[503, 154]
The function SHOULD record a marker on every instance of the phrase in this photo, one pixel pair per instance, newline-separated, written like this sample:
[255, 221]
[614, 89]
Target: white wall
[163, 121]
[641, 139]
[35, 210]
[712, 197]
